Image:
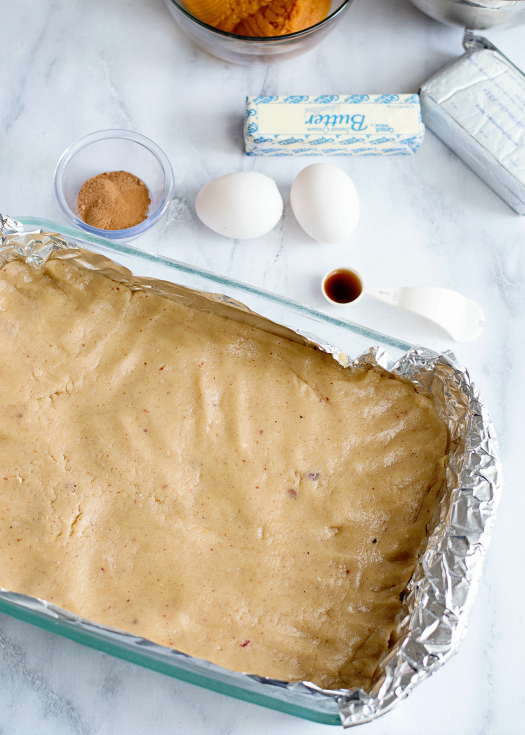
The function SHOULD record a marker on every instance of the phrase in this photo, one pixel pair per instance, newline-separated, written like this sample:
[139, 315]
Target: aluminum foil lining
[476, 105]
[439, 596]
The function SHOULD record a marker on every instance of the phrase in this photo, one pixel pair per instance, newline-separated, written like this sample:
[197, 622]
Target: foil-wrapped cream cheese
[476, 105]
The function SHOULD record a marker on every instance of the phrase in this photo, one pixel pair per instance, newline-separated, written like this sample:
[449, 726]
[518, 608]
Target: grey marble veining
[69, 68]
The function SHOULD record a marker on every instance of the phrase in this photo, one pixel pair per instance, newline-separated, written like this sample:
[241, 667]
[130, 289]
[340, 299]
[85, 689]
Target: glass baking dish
[349, 337]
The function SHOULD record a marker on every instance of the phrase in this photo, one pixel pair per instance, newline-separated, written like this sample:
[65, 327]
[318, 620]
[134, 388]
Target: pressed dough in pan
[205, 484]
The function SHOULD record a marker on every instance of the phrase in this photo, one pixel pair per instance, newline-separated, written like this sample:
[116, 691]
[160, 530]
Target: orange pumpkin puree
[259, 17]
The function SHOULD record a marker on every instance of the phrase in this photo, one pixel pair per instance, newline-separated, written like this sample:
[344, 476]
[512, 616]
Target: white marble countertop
[70, 68]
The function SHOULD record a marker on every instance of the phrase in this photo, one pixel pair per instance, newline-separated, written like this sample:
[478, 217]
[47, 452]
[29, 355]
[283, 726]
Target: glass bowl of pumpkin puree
[257, 31]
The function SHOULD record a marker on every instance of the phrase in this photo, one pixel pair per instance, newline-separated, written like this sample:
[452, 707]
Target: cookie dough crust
[204, 484]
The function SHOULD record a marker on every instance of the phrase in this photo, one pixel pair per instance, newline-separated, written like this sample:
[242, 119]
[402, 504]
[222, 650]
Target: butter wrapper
[333, 125]
[476, 106]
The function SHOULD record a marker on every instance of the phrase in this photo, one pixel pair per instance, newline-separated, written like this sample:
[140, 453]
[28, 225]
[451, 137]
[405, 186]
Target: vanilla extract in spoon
[458, 315]
[343, 286]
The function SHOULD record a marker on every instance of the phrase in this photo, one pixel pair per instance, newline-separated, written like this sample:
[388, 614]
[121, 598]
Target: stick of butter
[332, 125]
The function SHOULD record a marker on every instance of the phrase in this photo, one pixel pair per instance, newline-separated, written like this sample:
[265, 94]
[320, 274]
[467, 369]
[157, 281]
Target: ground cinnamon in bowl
[115, 200]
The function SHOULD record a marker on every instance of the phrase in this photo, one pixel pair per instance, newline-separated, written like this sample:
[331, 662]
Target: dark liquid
[343, 286]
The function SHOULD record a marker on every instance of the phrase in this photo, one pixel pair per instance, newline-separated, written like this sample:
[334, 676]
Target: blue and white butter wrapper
[476, 106]
[333, 125]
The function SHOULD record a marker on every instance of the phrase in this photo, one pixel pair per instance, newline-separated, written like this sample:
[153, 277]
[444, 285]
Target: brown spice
[113, 201]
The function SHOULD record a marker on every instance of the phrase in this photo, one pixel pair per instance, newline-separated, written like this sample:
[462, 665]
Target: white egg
[325, 202]
[241, 205]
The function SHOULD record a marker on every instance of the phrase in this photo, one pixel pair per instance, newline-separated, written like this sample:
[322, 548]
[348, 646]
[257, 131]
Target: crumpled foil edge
[433, 620]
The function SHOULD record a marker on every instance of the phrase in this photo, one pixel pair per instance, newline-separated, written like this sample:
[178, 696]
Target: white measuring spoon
[462, 318]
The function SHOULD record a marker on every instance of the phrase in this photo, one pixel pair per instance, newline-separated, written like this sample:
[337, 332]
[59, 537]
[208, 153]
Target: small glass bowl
[247, 50]
[114, 150]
